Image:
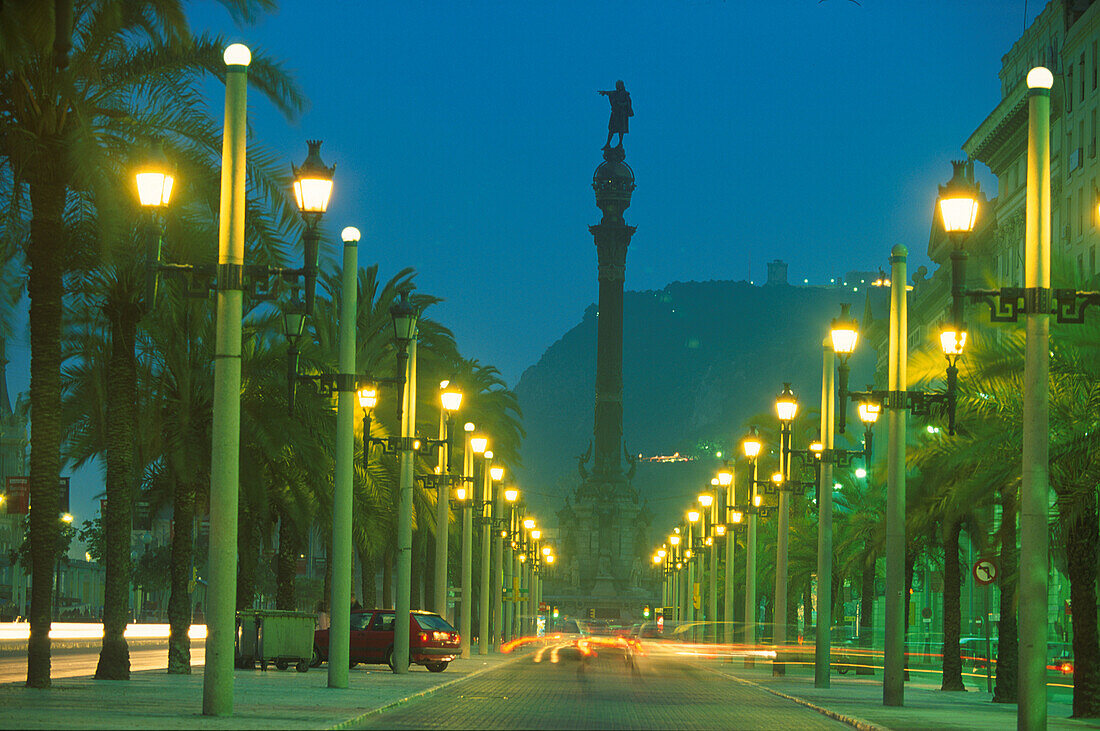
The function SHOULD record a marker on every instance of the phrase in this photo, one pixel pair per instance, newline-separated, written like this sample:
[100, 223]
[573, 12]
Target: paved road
[601, 693]
[81, 663]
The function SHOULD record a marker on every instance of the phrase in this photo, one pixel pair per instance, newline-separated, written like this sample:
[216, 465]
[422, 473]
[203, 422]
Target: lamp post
[1036, 301]
[533, 580]
[724, 529]
[340, 626]
[404, 315]
[751, 446]
[479, 445]
[691, 556]
[465, 497]
[709, 504]
[217, 690]
[450, 399]
[786, 407]
[507, 536]
[674, 561]
[897, 401]
[496, 621]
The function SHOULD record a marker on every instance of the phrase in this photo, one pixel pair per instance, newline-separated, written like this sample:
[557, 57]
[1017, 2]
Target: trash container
[245, 640]
[283, 638]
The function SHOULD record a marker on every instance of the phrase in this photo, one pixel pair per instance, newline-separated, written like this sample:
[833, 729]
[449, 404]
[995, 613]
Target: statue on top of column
[621, 112]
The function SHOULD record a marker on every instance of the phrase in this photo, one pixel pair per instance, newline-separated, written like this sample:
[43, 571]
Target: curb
[419, 694]
[854, 722]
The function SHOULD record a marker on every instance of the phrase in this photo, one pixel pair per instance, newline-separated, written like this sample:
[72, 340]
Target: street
[82, 662]
[559, 690]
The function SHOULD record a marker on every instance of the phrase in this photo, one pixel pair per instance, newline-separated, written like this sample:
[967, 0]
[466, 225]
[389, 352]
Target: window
[1092, 260]
[1069, 90]
[360, 620]
[384, 623]
[1080, 214]
[432, 621]
[1081, 69]
[1080, 266]
[1094, 65]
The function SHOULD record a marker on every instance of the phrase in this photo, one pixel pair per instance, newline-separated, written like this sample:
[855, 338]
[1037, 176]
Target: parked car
[973, 652]
[433, 642]
[1060, 657]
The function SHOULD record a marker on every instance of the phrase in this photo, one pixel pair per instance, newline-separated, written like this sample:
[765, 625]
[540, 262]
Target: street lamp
[1036, 301]
[511, 495]
[751, 446]
[675, 588]
[709, 505]
[312, 190]
[154, 178]
[485, 519]
[404, 315]
[690, 553]
[450, 399]
[496, 620]
[217, 698]
[786, 408]
[464, 494]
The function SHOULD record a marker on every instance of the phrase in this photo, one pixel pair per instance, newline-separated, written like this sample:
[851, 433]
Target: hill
[700, 359]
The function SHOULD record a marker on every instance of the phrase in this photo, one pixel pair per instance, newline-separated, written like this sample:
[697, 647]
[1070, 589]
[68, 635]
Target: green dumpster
[245, 640]
[284, 638]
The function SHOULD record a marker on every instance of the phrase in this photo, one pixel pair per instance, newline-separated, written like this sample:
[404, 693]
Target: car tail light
[1067, 668]
[423, 636]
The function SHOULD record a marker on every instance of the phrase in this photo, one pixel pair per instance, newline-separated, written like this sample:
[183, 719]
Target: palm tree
[62, 116]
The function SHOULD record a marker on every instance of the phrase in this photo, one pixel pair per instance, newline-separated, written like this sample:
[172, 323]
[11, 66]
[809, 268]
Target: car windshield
[433, 621]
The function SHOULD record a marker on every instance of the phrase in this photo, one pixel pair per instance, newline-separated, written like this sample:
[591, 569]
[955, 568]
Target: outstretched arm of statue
[603, 93]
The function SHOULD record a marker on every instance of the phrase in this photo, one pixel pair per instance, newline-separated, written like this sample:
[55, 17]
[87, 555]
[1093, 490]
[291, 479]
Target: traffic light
[555, 612]
[645, 611]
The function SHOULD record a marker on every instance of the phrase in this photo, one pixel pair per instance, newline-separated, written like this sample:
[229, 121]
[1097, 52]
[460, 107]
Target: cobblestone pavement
[601, 693]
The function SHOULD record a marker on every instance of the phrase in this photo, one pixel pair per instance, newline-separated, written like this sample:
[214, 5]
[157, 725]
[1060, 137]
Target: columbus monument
[604, 546]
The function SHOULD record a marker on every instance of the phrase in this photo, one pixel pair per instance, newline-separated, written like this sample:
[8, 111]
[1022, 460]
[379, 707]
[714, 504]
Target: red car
[433, 642]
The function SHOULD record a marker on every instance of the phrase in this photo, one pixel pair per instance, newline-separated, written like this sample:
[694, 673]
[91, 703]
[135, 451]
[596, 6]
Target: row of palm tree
[126, 381]
[965, 488]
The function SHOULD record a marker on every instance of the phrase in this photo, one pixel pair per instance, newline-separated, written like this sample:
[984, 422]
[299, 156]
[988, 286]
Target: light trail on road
[82, 663]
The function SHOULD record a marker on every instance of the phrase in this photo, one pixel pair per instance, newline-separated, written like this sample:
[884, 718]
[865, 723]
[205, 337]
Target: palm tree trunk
[866, 614]
[179, 601]
[910, 568]
[44, 285]
[1008, 656]
[952, 609]
[807, 610]
[418, 583]
[183, 519]
[368, 567]
[248, 551]
[429, 570]
[1082, 531]
[287, 565]
[120, 473]
[387, 578]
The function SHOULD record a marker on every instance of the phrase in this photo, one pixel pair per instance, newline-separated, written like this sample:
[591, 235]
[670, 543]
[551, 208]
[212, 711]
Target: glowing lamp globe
[313, 181]
[786, 405]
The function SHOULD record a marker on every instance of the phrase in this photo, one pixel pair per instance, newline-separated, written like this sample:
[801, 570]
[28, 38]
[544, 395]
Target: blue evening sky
[465, 135]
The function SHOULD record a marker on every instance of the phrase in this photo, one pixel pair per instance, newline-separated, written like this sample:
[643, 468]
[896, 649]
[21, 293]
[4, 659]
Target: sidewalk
[857, 700]
[262, 700]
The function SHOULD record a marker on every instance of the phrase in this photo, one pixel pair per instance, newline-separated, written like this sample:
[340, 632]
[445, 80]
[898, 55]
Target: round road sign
[985, 571]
